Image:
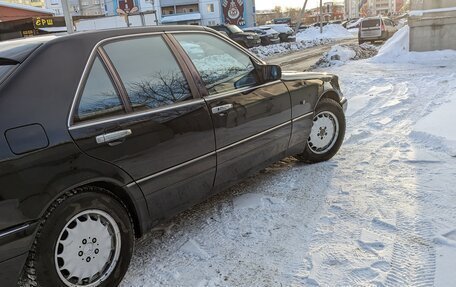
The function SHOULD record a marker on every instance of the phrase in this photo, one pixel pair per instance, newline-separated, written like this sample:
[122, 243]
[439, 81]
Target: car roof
[19, 49]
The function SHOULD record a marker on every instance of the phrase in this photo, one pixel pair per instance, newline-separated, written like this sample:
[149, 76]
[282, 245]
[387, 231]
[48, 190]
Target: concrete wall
[432, 30]
[431, 4]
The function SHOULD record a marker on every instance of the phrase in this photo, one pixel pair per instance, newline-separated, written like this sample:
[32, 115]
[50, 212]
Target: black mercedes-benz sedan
[105, 134]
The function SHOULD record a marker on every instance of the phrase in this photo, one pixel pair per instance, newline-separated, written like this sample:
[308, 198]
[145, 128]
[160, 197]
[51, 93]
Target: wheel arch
[329, 94]
[127, 196]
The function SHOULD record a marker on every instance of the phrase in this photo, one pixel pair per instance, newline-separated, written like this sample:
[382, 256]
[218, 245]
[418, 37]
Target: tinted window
[371, 23]
[221, 66]
[149, 72]
[99, 98]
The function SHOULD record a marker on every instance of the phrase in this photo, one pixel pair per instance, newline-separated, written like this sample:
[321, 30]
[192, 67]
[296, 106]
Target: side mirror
[269, 73]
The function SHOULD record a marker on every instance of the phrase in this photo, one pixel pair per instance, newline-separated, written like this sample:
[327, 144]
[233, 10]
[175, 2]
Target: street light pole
[321, 16]
[68, 18]
[301, 14]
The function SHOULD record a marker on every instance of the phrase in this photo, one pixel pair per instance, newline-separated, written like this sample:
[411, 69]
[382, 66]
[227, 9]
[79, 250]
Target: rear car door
[137, 110]
[252, 120]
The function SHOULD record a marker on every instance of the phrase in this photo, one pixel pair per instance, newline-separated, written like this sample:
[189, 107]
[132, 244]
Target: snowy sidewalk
[381, 213]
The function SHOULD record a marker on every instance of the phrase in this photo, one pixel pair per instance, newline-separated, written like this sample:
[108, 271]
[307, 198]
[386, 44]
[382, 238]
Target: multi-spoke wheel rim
[87, 249]
[325, 131]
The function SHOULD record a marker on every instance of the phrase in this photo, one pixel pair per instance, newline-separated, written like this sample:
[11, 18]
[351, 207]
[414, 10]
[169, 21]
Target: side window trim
[193, 72]
[83, 82]
[115, 77]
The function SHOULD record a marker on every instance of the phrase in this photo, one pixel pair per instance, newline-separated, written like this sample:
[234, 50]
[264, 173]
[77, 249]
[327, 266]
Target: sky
[269, 4]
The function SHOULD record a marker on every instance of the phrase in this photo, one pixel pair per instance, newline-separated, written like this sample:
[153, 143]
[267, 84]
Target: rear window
[371, 23]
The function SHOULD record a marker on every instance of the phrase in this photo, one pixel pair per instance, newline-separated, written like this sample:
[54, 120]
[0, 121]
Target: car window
[221, 66]
[149, 72]
[99, 97]
[371, 23]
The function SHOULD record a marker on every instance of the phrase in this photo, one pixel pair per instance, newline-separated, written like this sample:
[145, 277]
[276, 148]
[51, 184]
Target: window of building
[210, 8]
[84, 3]
[149, 72]
[99, 98]
[221, 66]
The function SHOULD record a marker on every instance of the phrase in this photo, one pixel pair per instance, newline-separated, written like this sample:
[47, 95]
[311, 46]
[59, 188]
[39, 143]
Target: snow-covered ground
[310, 37]
[382, 212]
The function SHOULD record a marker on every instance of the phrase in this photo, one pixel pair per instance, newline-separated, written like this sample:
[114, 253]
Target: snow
[332, 31]
[382, 212]
[310, 37]
[181, 17]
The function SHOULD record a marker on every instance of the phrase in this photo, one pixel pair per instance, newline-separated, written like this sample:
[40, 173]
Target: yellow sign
[43, 22]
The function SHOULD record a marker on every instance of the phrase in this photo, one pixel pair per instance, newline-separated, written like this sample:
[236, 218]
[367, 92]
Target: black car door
[138, 110]
[252, 120]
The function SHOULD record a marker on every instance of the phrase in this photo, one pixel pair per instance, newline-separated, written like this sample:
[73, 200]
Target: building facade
[208, 12]
[33, 3]
[366, 8]
[79, 7]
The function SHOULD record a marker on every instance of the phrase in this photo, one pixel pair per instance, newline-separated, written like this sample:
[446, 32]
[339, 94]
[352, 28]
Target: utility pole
[301, 14]
[68, 18]
[321, 16]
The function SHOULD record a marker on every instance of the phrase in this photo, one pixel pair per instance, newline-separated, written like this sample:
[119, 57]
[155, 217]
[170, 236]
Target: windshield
[234, 29]
[371, 23]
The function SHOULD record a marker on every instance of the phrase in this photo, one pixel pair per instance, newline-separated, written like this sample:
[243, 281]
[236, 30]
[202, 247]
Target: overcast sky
[269, 4]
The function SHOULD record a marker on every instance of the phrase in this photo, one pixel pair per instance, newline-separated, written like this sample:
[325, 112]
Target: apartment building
[208, 12]
[364, 8]
[33, 3]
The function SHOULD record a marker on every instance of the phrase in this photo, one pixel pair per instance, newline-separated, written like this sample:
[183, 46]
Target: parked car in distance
[374, 29]
[245, 39]
[267, 35]
[285, 32]
[136, 126]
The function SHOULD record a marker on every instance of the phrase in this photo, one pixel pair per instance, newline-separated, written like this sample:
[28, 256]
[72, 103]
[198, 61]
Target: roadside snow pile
[332, 31]
[340, 54]
[396, 50]
[310, 37]
[284, 48]
[395, 47]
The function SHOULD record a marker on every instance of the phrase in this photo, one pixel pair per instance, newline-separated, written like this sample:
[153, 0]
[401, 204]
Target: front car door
[252, 120]
[138, 110]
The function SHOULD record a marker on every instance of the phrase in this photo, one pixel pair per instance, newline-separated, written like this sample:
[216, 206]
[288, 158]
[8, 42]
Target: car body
[245, 39]
[267, 35]
[374, 29]
[141, 123]
[285, 32]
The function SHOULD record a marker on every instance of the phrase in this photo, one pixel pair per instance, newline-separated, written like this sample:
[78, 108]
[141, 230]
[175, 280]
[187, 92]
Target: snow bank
[284, 48]
[396, 50]
[437, 129]
[396, 46]
[310, 37]
[340, 54]
[331, 31]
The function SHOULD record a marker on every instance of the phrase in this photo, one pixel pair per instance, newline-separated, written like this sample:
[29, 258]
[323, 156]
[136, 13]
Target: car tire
[84, 229]
[327, 132]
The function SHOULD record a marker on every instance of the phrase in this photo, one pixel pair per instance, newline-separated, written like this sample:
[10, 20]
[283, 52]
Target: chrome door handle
[109, 137]
[220, 109]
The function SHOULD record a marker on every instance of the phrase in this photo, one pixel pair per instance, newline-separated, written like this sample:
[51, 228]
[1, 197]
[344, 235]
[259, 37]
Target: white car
[285, 32]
